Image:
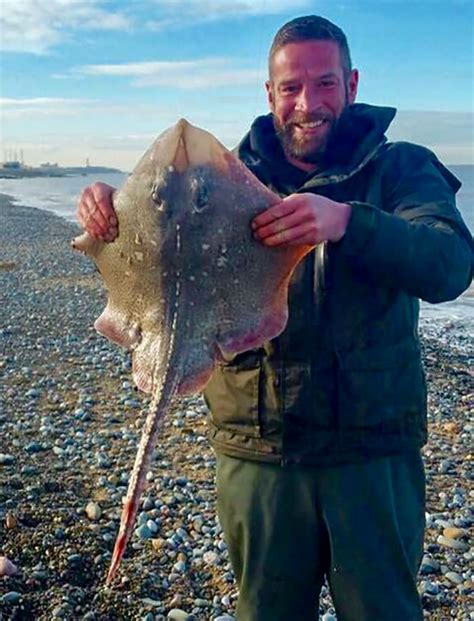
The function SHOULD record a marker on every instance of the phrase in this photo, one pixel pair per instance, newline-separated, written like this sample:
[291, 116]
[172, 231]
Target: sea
[61, 194]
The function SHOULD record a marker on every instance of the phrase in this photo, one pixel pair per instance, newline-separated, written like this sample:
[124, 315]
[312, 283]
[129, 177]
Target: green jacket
[345, 380]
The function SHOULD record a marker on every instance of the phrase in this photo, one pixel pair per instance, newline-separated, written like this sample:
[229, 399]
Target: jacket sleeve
[418, 241]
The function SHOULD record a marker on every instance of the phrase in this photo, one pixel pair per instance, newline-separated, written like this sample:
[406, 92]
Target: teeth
[312, 124]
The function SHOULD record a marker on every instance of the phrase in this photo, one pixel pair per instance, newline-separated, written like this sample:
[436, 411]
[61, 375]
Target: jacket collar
[360, 133]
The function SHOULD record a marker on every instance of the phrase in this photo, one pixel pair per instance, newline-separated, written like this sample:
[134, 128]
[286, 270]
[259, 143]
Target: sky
[100, 79]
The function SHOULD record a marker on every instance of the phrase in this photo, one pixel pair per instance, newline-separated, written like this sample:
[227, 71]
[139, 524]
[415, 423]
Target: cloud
[182, 13]
[192, 74]
[35, 27]
[15, 108]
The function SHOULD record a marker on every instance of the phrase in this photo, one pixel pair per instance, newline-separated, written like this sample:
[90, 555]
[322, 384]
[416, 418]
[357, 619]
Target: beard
[308, 149]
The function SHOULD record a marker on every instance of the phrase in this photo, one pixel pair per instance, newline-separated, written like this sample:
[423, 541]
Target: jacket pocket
[381, 388]
[232, 395]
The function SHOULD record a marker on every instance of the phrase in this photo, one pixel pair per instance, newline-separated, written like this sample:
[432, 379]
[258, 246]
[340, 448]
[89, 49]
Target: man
[318, 433]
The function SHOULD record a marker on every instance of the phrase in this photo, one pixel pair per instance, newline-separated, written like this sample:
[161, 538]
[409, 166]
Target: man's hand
[302, 219]
[95, 212]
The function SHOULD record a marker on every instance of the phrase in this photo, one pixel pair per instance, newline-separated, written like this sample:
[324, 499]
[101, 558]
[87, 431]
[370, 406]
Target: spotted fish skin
[187, 284]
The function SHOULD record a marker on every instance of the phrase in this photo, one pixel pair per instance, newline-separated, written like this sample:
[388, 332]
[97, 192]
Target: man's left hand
[302, 219]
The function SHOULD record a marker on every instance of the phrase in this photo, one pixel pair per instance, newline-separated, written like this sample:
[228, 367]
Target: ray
[187, 284]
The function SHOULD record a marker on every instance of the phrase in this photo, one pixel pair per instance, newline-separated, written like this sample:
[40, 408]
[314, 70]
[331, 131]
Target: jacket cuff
[360, 228]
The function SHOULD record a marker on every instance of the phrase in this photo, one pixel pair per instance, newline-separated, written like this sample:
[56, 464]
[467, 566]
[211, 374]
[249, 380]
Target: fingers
[300, 234]
[281, 209]
[95, 212]
[279, 225]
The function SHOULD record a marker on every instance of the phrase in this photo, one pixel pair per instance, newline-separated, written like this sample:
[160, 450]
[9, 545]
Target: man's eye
[289, 90]
[328, 83]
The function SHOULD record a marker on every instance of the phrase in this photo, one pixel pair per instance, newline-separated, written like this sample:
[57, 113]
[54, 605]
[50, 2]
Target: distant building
[13, 164]
[49, 165]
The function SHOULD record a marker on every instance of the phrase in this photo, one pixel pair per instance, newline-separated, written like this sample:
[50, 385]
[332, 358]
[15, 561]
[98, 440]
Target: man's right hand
[95, 212]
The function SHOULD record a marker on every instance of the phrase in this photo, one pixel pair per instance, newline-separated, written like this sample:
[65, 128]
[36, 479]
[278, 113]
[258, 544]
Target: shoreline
[69, 423]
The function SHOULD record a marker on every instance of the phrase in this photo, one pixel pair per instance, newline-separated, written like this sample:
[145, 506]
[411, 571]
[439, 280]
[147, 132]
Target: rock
[10, 521]
[454, 533]
[223, 618]
[153, 603]
[179, 615]
[428, 588]
[211, 558]
[7, 568]
[93, 511]
[176, 601]
[179, 567]
[158, 543]
[6, 459]
[454, 577]
[12, 597]
[34, 447]
[452, 543]
[144, 532]
[152, 526]
[429, 565]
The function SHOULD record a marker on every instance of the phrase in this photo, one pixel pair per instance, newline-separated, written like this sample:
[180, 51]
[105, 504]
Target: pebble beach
[70, 420]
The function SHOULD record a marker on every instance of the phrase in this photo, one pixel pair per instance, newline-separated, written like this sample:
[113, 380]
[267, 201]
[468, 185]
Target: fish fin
[145, 357]
[251, 331]
[117, 328]
[196, 382]
[87, 244]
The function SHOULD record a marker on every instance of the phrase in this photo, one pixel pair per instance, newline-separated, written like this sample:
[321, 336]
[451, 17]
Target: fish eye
[199, 194]
[157, 195]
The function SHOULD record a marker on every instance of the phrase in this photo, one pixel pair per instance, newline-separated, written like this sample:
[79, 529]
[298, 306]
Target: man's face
[307, 94]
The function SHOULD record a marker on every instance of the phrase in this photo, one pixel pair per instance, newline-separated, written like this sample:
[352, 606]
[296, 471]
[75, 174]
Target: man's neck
[306, 166]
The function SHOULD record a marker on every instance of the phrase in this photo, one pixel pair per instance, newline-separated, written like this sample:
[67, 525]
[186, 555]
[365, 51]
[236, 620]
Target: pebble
[93, 511]
[12, 597]
[179, 615]
[82, 414]
[6, 459]
[454, 533]
[428, 588]
[452, 543]
[144, 532]
[34, 447]
[452, 576]
[211, 558]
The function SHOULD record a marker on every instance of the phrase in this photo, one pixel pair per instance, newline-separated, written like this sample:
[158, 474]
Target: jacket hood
[360, 130]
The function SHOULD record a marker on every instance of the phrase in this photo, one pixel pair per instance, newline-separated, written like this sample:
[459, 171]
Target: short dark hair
[311, 28]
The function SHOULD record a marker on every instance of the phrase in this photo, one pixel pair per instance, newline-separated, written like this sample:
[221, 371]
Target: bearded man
[318, 433]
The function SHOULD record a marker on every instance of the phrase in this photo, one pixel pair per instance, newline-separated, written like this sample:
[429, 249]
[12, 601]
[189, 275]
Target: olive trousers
[359, 525]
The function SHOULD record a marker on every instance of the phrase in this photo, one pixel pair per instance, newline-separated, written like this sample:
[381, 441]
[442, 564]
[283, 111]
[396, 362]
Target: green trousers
[359, 525]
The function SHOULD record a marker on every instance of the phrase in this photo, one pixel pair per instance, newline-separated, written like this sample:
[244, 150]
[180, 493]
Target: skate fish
[188, 286]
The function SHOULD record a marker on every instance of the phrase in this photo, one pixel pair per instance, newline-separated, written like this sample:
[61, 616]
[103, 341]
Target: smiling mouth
[310, 125]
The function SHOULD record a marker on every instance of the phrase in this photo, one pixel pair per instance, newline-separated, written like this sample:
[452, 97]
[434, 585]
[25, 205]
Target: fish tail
[163, 395]
[128, 519]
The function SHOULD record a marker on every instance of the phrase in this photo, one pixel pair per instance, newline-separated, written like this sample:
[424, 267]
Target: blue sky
[101, 79]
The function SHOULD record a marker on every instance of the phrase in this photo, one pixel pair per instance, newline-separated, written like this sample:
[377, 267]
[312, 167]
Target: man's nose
[308, 100]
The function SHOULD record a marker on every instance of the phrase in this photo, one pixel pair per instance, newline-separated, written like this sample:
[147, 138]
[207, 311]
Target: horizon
[101, 79]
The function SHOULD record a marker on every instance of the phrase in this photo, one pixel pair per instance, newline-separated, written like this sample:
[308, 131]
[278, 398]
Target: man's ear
[352, 85]
[270, 97]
